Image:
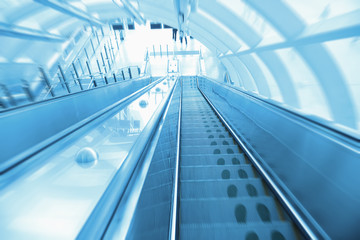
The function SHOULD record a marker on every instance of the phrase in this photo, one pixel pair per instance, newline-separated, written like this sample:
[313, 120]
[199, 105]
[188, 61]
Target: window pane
[346, 53]
[314, 11]
[312, 100]
[274, 88]
[253, 19]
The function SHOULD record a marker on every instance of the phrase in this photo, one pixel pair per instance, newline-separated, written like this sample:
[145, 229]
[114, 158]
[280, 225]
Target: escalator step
[212, 149]
[216, 172]
[207, 130]
[229, 210]
[222, 188]
[205, 135]
[212, 160]
[207, 142]
[202, 124]
[252, 231]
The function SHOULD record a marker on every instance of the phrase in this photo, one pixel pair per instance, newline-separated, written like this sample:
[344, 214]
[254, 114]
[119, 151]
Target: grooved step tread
[206, 131]
[204, 135]
[276, 230]
[207, 142]
[238, 188]
[217, 172]
[212, 160]
[229, 210]
[215, 149]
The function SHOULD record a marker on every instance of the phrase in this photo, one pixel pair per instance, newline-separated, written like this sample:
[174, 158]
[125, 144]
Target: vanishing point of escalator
[221, 195]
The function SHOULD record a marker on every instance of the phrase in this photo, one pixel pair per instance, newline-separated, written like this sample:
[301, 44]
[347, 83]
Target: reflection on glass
[54, 200]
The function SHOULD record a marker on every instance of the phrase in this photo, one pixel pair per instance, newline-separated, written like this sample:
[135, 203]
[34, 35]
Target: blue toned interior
[179, 119]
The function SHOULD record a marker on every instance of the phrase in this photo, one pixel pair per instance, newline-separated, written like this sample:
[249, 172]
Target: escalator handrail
[99, 220]
[306, 224]
[174, 215]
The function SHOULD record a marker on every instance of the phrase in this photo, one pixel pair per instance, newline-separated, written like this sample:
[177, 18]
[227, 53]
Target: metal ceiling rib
[251, 38]
[213, 28]
[258, 76]
[70, 10]
[316, 56]
[28, 33]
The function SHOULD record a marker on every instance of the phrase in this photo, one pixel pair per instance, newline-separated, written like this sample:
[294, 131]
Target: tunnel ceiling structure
[301, 55]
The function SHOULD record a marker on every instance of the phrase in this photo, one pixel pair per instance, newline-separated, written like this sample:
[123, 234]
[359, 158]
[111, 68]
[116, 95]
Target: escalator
[199, 184]
[153, 175]
[221, 194]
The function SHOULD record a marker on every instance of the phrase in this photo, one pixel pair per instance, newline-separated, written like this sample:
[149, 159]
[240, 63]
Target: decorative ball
[87, 157]
[143, 103]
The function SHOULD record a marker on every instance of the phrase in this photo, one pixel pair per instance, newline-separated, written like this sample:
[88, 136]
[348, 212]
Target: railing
[38, 90]
[165, 51]
[74, 70]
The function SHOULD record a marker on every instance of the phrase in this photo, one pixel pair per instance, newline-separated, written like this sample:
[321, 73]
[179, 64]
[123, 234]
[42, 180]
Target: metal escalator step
[238, 188]
[204, 129]
[198, 120]
[213, 160]
[202, 119]
[226, 210]
[252, 231]
[207, 142]
[197, 112]
[189, 117]
[204, 126]
[211, 149]
[205, 135]
[191, 111]
[197, 106]
[216, 172]
[189, 105]
[202, 123]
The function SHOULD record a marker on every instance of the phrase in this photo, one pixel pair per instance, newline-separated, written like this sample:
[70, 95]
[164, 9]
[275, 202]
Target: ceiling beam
[131, 10]
[28, 33]
[70, 10]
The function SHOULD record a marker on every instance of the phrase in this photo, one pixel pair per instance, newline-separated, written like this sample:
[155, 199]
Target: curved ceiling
[299, 54]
